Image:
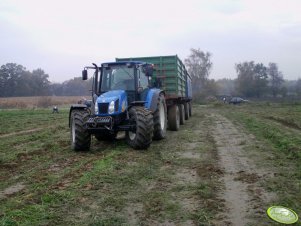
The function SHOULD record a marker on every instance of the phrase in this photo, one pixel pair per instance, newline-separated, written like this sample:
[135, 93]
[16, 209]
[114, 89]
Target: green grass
[283, 141]
[110, 185]
[278, 144]
[115, 185]
[28, 119]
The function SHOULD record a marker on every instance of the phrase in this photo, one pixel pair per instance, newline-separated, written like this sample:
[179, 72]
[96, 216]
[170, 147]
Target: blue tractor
[124, 98]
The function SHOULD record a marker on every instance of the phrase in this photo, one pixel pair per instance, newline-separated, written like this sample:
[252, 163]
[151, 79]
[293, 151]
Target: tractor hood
[118, 97]
[109, 96]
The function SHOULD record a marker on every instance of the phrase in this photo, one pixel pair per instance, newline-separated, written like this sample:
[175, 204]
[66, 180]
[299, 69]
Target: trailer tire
[182, 114]
[174, 118]
[160, 119]
[80, 137]
[142, 137]
[186, 109]
[190, 109]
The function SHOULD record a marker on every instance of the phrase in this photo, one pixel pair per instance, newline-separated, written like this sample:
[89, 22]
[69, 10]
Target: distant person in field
[55, 110]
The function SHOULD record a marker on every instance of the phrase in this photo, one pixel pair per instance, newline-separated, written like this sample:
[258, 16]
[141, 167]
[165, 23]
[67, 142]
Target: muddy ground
[204, 174]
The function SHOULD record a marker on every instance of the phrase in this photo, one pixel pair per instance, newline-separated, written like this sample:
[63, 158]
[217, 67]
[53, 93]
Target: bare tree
[199, 66]
[276, 79]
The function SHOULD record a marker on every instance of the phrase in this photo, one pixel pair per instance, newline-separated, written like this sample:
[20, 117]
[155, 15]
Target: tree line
[254, 80]
[16, 80]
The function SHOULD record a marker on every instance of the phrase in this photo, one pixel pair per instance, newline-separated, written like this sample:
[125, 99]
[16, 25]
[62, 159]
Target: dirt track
[244, 197]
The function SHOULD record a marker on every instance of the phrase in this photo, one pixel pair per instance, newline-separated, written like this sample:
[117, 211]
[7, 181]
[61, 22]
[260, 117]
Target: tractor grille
[116, 104]
[103, 108]
[103, 120]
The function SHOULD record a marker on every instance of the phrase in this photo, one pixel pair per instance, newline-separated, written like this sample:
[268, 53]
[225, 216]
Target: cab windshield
[119, 77]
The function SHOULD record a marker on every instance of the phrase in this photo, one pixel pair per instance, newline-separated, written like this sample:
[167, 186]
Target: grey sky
[63, 36]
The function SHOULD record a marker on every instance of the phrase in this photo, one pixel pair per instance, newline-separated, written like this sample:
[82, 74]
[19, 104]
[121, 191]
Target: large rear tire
[190, 109]
[80, 137]
[160, 119]
[174, 118]
[142, 137]
[182, 114]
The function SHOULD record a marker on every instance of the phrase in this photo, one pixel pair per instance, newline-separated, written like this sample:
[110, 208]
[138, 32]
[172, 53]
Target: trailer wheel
[190, 109]
[186, 109]
[80, 137]
[160, 119]
[174, 118]
[142, 137]
[182, 114]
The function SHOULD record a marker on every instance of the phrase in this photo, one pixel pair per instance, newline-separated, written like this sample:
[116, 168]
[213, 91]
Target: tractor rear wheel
[80, 137]
[174, 118]
[142, 137]
[160, 119]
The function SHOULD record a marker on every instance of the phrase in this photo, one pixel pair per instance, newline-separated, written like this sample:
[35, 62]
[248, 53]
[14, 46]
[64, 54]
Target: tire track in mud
[243, 195]
[24, 132]
[21, 132]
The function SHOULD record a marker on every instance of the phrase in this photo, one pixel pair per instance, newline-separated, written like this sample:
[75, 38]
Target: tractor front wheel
[143, 119]
[80, 137]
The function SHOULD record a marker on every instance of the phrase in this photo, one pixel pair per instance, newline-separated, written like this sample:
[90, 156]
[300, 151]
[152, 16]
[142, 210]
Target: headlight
[123, 105]
[96, 108]
[111, 107]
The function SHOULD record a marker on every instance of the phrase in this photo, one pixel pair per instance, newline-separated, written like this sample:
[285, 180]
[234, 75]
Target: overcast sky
[62, 36]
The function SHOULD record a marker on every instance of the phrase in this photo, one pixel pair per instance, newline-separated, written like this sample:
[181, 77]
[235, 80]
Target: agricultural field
[38, 101]
[225, 166]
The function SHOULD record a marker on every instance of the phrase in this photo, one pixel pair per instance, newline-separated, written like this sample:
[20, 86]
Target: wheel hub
[162, 116]
[73, 131]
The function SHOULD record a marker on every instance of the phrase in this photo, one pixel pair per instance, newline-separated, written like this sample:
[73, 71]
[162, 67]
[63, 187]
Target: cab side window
[143, 79]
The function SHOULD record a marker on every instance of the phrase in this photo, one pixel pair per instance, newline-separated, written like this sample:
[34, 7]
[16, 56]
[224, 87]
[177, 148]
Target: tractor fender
[77, 107]
[152, 99]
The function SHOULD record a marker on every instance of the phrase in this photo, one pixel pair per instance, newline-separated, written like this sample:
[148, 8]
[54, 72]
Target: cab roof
[129, 63]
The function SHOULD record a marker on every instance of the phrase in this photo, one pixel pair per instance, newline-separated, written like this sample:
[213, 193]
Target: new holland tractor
[124, 98]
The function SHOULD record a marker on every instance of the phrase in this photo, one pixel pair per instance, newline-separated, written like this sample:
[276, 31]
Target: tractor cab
[131, 77]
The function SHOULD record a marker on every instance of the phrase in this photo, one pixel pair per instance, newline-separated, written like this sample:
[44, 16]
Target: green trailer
[171, 76]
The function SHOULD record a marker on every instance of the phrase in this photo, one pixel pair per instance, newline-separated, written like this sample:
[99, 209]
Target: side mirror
[148, 69]
[85, 74]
